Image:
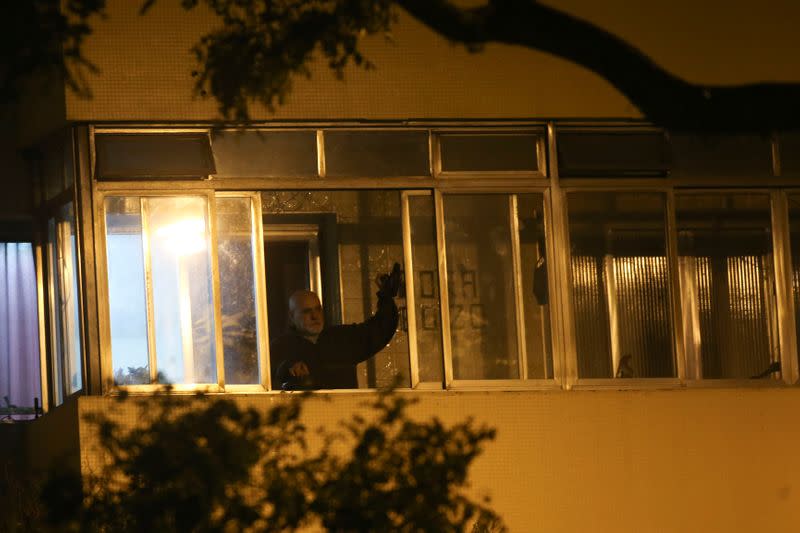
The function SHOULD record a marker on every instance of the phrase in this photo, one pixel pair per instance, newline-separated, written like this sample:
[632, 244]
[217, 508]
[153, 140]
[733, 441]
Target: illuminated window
[336, 244]
[160, 295]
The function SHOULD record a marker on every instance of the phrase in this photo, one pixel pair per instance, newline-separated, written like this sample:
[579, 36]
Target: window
[337, 243]
[498, 318]
[64, 305]
[20, 383]
[620, 285]
[727, 284]
[160, 291]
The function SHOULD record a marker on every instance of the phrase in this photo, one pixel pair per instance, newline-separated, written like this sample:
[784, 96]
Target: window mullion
[411, 310]
[673, 265]
[148, 281]
[565, 362]
[216, 298]
[260, 277]
[444, 295]
[787, 332]
[513, 213]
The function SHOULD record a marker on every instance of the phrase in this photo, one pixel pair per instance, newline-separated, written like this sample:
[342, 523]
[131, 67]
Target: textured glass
[426, 287]
[620, 285]
[237, 290]
[727, 284]
[177, 233]
[481, 287]
[126, 291]
[359, 236]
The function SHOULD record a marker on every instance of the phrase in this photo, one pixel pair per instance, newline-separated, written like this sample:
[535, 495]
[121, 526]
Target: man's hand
[389, 284]
[299, 370]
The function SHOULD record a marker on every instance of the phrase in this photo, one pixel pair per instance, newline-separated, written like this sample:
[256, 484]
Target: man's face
[307, 314]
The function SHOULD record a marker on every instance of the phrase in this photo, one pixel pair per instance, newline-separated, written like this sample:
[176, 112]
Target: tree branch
[663, 98]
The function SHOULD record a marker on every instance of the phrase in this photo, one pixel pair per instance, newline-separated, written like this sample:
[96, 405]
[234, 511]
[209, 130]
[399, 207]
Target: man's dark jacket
[332, 360]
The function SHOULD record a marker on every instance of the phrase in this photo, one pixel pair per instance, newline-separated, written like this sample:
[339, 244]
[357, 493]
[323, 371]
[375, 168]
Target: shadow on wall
[210, 465]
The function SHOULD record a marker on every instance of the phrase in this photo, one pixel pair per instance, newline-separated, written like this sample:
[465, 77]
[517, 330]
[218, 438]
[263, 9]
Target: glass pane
[376, 153]
[157, 155]
[426, 287]
[535, 297]
[612, 153]
[336, 243]
[794, 236]
[237, 290]
[727, 284]
[465, 153]
[126, 291]
[481, 287]
[258, 154]
[56, 341]
[177, 233]
[65, 304]
[620, 285]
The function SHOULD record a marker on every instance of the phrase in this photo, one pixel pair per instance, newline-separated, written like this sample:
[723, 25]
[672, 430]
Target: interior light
[185, 237]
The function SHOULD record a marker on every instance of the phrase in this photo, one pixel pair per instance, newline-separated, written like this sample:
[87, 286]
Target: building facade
[619, 301]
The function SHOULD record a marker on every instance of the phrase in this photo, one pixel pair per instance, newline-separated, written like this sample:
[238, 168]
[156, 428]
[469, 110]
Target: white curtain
[19, 327]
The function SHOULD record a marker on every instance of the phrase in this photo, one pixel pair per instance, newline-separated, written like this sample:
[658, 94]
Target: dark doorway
[287, 269]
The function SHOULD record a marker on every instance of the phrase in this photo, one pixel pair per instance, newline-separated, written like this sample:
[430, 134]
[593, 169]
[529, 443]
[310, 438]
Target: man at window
[312, 356]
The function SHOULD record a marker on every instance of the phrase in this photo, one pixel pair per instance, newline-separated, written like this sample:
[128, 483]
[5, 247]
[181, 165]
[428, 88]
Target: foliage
[45, 35]
[209, 465]
[260, 46]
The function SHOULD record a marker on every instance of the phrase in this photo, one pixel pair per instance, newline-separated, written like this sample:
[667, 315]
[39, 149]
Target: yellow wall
[145, 64]
[683, 460]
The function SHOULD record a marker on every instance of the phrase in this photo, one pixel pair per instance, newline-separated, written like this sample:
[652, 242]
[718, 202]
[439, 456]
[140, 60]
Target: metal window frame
[784, 307]
[104, 312]
[522, 382]
[491, 175]
[575, 381]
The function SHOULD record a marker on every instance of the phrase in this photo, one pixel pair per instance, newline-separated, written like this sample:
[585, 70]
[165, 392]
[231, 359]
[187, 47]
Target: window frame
[547, 182]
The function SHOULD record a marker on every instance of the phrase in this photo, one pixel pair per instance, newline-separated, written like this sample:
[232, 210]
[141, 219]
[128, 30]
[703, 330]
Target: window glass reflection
[335, 244]
[64, 304]
[499, 325]
[237, 290]
[727, 284]
[126, 291]
[620, 285]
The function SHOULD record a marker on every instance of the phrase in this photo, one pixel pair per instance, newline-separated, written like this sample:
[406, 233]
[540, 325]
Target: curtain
[19, 327]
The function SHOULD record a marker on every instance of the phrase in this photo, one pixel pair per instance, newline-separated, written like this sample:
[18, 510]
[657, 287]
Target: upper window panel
[153, 155]
[612, 154]
[357, 154]
[721, 156]
[727, 284]
[789, 147]
[255, 154]
[489, 153]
